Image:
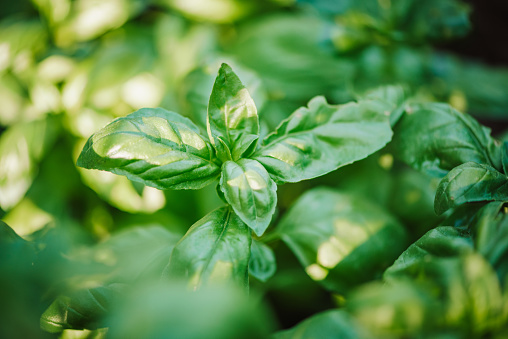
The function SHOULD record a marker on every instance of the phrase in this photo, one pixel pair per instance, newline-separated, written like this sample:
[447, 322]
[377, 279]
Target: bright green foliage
[216, 249]
[158, 148]
[316, 140]
[250, 191]
[232, 120]
[340, 239]
[408, 236]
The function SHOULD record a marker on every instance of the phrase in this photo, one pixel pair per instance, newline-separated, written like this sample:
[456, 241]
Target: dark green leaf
[470, 182]
[326, 325]
[156, 147]
[442, 242]
[341, 240]
[251, 192]
[435, 138]
[321, 138]
[232, 122]
[83, 309]
[262, 264]
[215, 249]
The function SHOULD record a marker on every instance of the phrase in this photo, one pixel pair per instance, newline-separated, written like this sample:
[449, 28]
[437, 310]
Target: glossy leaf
[216, 249]
[326, 325]
[321, 138]
[435, 138]
[262, 264]
[342, 240]
[470, 182]
[251, 192]
[232, 122]
[155, 147]
[441, 242]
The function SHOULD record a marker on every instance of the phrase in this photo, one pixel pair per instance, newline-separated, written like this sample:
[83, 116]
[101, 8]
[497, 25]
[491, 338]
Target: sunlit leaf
[251, 192]
[156, 147]
[321, 138]
[232, 120]
[340, 239]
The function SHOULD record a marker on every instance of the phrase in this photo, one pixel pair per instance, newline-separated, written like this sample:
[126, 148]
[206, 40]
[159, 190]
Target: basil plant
[165, 150]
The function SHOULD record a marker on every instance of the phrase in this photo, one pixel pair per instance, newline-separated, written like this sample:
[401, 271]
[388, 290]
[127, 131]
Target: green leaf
[441, 242]
[389, 309]
[137, 252]
[325, 325]
[470, 182]
[251, 192]
[262, 264]
[83, 309]
[321, 138]
[393, 95]
[435, 138]
[490, 233]
[155, 147]
[232, 122]
[342, 240]
[22, 147]
[216, 249]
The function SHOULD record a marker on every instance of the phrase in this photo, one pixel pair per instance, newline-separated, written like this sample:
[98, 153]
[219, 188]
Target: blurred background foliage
[67, 68]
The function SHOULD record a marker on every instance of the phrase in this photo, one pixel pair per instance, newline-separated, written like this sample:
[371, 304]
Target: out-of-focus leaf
[251, 192]
[232, 121]
[441, 242]
[197, 86]
[156, 147]
[216, 249]
[326, 325]
[394, 95]
[216, 11]
[291, 53]
[84, 20]
[321, 138]
[490, 233]
[20, 43]
[170, 310]
[388, 310]
[435, 138]
[470, 182]
[136, 253]
[262, 264]
[340, 239]
[83, 309]
[22, 146]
